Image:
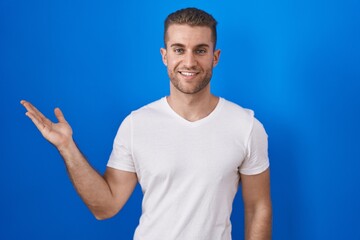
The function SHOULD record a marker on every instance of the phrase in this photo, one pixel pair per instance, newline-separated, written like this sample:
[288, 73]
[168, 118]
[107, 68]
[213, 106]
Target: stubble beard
[203, 83]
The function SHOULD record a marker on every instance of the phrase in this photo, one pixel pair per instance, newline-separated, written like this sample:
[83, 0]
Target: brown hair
[192, 17]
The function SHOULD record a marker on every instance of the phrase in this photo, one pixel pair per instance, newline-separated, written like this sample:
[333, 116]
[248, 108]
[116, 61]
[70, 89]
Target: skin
[189, 58]
[257, 206]
[104, 195]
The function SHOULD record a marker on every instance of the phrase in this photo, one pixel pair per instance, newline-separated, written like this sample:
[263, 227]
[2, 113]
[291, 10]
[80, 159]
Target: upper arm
[256, 190]
[121, 184]
[257, 205]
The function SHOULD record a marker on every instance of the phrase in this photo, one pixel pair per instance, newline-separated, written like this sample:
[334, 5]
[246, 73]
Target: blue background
[296, 63]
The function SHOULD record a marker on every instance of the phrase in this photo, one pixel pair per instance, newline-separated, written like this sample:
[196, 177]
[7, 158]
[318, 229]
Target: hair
[192, 17]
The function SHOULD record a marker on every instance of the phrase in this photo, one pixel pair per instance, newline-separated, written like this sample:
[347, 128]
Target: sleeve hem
[121, 167]
[256, 170]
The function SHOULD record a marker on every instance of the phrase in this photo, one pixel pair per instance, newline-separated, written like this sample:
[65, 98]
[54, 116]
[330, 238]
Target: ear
[163, 55]
[216, 57]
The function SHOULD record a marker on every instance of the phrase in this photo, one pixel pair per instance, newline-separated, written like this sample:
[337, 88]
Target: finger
[38, 123]
[59, 115]
[32, 109]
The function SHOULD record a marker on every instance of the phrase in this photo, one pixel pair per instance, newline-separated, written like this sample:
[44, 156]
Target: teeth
[187, 73]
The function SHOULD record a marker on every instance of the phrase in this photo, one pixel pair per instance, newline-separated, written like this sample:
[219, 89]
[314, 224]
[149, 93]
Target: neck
[192, 107]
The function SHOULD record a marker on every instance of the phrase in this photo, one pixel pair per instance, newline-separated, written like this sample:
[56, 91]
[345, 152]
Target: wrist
[67, 147]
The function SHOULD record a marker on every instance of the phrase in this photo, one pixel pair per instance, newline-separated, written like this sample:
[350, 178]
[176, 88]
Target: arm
[104, 195]
[257, 206]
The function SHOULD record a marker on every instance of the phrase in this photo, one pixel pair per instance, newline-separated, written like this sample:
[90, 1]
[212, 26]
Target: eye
[201, 51]
[179, 50]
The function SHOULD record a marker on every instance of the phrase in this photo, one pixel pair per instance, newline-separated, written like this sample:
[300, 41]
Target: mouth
[188, 74]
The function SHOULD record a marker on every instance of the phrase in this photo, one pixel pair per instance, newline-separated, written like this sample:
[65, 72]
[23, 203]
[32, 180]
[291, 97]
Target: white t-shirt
[189, 171]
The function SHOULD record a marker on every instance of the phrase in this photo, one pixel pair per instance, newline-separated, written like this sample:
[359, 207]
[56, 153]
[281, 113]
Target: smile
[188, 74]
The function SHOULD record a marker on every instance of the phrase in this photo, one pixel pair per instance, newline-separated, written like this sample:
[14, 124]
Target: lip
[188, 74]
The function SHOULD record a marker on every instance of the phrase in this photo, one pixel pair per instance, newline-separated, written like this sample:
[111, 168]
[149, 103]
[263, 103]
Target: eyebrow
[197, 46]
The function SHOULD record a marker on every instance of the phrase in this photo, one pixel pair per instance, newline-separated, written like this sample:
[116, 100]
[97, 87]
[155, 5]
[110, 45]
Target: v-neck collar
[197, 122]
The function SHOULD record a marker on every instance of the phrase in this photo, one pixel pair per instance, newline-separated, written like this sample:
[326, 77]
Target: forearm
[258, 223]
[90, 185]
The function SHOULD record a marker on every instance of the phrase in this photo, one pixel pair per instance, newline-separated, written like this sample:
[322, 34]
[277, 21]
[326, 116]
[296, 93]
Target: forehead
[188, 35]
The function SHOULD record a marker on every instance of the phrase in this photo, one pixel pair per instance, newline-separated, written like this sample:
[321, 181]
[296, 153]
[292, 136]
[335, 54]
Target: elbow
[101, 217]
[262, 212]
[103, 214]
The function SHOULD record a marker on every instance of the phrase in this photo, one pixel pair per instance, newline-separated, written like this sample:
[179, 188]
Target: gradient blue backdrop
[296, 63]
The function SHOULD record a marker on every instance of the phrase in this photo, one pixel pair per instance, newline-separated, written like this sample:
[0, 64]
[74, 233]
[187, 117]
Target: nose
[189, 60]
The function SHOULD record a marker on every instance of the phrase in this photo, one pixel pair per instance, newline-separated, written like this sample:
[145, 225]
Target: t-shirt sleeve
[121, 157]
[257, 159]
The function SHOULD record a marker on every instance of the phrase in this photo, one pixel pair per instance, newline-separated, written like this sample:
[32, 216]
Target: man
[188, 151]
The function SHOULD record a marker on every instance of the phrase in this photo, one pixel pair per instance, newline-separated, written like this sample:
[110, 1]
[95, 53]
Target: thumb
[59, 115]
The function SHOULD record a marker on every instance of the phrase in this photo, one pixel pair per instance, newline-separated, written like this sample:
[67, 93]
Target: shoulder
[150, 106]
[149, 112]
[237, 112]
[240, 118]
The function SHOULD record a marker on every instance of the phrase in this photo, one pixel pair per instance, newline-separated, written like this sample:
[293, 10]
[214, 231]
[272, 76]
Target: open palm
[59, 134]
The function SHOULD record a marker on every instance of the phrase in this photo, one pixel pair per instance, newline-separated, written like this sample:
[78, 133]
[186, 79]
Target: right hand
[59, 134]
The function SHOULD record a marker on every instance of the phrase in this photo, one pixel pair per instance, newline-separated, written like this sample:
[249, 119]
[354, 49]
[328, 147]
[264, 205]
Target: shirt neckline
[197, 122]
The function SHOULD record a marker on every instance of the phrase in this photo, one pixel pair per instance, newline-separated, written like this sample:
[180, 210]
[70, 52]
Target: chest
[207, 154]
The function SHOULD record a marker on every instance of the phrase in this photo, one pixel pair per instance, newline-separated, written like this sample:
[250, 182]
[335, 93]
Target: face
[189, 57]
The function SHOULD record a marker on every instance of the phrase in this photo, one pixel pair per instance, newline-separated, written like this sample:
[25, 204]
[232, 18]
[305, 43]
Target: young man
[189, 151]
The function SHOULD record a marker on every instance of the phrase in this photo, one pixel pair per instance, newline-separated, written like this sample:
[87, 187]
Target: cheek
[172, 64]
[206, 65]
[170, 68]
